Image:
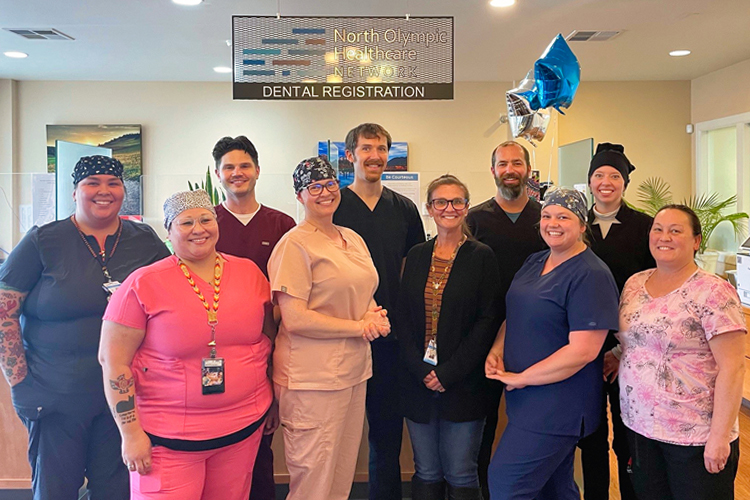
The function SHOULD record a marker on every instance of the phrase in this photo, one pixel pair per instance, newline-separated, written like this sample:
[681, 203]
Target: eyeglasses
[189, 224]
[442, 204]
[317, 189]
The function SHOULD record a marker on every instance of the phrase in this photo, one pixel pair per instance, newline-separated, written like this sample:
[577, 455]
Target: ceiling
[156, 40]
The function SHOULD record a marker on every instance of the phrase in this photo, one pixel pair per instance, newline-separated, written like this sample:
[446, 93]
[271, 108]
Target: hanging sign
[342, 58]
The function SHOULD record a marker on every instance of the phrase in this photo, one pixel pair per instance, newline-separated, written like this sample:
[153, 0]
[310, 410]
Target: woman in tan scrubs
[323, 280]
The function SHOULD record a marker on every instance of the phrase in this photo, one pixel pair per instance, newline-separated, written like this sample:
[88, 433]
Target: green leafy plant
[654, 193]
[217, 195]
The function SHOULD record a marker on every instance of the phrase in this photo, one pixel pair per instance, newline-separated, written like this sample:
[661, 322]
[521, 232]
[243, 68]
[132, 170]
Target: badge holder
[430, 354]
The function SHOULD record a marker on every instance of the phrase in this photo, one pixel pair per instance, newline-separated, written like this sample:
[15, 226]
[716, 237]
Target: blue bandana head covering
[572, 199]
[312, 170]
[96, 165]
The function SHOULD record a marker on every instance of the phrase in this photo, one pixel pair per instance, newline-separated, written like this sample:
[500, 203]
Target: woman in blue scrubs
[561, 304]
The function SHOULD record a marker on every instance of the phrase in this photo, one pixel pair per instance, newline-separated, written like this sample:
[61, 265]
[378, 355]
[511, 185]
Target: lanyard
[100, 258]
[211, 312]
[437, 284]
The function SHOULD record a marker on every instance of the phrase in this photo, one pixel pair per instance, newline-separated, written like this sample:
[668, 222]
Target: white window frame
[741, 123]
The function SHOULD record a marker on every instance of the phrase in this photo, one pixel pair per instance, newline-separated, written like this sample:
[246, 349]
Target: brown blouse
[433, 297]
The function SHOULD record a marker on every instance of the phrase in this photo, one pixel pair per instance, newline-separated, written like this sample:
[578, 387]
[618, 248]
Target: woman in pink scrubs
[185, 362]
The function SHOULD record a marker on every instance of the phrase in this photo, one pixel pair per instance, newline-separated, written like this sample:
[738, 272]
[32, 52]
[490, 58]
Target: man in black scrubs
[509, 224]
[390, 224]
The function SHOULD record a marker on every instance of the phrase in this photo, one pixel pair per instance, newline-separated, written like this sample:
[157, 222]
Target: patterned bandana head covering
[185, 200]
[312, 170]
[572, 199]
[96, 165]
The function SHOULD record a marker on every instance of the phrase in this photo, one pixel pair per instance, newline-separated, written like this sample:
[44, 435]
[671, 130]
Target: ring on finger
[131, 467]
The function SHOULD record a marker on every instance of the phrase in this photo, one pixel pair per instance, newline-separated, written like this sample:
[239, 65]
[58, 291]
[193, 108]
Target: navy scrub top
[579, 294]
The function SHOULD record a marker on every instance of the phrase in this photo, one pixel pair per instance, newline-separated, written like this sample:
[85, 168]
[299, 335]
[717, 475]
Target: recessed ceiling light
[188, 2]
[222, 69]
[502, 3]
[679, 53]
[16, 55]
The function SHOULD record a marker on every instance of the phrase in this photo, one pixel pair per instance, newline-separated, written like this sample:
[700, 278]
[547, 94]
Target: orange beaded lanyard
[211, 312]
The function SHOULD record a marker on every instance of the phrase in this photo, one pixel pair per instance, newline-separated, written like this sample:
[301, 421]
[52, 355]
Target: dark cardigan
[466, 330]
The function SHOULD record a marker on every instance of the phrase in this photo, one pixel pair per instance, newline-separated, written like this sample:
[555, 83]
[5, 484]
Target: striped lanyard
[211, 312]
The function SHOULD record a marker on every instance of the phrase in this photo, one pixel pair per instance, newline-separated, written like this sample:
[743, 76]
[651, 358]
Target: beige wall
[648, 118]
[182, 121]
[723, 93]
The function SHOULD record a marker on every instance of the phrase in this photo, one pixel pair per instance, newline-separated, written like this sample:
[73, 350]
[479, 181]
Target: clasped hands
[495, 369]
[375, 324]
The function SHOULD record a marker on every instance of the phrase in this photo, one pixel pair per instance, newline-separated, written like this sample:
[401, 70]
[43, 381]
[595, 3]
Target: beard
[511, 193]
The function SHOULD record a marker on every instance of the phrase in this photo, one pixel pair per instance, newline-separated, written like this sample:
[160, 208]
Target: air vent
[591, 36]
[40, 34]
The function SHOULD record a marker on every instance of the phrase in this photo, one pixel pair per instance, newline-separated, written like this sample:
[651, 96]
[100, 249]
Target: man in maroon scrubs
[251, 230]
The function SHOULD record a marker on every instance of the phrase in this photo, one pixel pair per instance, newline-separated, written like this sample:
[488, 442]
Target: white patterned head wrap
[185, 200]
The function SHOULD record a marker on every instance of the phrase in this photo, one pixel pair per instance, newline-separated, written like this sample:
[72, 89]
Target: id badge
[111, 287]
[430, 355]
[212, 375]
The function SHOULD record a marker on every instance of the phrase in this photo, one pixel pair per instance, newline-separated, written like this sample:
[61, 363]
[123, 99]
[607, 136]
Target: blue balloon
[557, 75]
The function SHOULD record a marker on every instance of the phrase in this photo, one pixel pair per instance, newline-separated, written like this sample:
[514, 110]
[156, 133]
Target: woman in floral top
[682, 369]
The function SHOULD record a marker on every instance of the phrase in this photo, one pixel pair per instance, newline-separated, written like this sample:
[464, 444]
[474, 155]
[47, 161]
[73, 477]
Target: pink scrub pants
[221, 474]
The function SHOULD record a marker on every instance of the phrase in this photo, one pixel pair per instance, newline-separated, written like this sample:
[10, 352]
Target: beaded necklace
[211, 312]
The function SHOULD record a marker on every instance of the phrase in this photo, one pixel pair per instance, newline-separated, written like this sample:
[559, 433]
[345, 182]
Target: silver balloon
[531, 127]
[522, 100]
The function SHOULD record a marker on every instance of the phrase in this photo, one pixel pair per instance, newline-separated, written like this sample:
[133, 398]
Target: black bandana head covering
[572, 199]
[614, 156]
[96, 165]
[312, 170]
[185, 200]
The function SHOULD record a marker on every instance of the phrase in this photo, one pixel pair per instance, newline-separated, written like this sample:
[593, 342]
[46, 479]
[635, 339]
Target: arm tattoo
[12, 353]
[125, 410]
[122, 384]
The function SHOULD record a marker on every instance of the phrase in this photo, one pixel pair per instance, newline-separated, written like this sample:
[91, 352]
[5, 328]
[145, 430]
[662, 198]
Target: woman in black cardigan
[447, 321]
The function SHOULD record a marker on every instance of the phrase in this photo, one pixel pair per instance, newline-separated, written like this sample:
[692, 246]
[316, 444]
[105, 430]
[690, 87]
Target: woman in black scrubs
[619, 236]
[561, 305]
[54, 288]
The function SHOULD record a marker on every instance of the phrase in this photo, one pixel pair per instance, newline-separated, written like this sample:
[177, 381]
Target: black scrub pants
[595, 452]
[71, 438]
[663, 471]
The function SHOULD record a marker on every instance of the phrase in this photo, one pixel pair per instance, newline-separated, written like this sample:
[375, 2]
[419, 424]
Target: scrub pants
[221, 474]
[322, 434]
[532, 466]
[595, 452]
[66, 445]
[385, 421]
[663, 471]
[264, 486]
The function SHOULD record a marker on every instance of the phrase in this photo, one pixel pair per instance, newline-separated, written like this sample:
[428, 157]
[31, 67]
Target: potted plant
[217, 196]
[654, 193]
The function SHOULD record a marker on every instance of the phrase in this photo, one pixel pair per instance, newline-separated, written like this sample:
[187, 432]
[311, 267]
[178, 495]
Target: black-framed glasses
[317, 188]
[442, 203]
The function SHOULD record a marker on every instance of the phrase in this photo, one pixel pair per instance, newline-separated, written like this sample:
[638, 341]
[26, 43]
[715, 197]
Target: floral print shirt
[667, 371]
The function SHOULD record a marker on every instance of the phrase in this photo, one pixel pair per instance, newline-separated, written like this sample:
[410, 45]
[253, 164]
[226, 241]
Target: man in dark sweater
[509, 224]
[251, 230]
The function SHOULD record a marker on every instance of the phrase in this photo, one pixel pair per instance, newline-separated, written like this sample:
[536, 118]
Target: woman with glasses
[323, 280]
[185, 347]
[447, 320]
